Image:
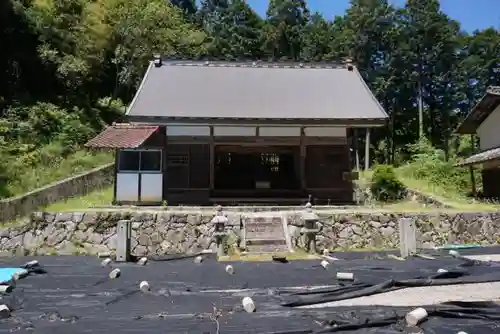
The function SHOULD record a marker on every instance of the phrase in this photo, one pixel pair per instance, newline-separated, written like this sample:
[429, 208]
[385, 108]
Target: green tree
[142, 29]
[234, 29]
[286, 20]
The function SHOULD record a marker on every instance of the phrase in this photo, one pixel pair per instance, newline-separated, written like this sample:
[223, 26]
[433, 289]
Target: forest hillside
[68, 67]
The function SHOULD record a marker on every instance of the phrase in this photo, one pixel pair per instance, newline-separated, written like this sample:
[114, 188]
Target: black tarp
[74, 296]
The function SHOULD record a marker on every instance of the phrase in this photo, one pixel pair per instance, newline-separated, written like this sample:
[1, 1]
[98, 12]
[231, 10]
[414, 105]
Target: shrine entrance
[257, 171]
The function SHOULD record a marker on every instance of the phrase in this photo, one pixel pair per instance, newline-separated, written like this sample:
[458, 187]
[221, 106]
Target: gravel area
[424, 296]
[428, 295]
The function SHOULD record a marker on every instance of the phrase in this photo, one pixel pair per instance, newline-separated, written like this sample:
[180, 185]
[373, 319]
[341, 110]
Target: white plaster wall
[489, 131]
[127, 187]
[151, 187]
[235, 131]
[188, 130]
[323, 131]
[279, 131]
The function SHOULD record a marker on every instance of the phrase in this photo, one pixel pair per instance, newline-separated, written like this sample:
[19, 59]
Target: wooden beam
[367, 149]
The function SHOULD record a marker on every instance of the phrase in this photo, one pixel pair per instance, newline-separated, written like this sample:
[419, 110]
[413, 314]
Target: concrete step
[262, 219]
[258, 249]
[266, 235]
[261, 242]
[265, 229]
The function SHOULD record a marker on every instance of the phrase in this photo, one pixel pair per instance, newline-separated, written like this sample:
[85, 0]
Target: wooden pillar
[367, 149]
[471, 168]
[117, 161]
[303, 151]
[356, 147]
[212, 159]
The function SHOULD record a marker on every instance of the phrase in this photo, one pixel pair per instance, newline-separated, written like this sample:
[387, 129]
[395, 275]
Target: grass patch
[444, 194]
[97, 198]
[28, 176]
[447, 194]
[266, 257]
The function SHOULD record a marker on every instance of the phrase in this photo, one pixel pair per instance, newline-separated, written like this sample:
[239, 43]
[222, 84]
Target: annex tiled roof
[258, 90]
[122, 136]
[481, 111]
[492, 154]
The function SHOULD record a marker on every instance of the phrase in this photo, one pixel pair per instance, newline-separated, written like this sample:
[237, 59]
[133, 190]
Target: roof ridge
[132, 125]
[257, 64]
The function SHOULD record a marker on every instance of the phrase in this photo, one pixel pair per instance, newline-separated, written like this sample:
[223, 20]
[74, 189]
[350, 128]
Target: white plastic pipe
[345, 276]
[144, 286]
[324, 264]
[198, 259]
[22, 273]
[229, 269]
[103, 254]
[31, 264]
[142, 261]
[414, 317]
[115, 273]
[248, 304]
[6, 288]
[106, 262]
[4, 311]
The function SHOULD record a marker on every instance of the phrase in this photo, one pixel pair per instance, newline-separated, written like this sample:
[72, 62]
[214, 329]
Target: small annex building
[484, 121]
[202, 132]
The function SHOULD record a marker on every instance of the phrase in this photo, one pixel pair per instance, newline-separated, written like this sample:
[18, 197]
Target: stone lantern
[310, 228]
[219, 221]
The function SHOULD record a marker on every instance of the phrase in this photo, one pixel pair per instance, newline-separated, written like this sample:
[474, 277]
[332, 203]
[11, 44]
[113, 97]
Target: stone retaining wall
[178, 232]
[382, 230]
[79, 185]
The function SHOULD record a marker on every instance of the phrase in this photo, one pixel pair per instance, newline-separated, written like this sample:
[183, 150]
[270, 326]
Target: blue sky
[472, 14]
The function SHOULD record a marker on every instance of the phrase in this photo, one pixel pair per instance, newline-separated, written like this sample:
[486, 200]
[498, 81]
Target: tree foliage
[68, 66]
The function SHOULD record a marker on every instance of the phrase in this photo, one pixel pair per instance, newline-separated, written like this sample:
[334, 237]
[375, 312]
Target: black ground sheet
[75, 296]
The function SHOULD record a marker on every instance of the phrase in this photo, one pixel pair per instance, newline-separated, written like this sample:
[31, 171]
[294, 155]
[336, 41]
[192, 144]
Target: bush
[385, 185]
[429, 164]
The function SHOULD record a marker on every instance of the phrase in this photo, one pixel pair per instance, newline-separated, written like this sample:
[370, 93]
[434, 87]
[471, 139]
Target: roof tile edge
[257, 64]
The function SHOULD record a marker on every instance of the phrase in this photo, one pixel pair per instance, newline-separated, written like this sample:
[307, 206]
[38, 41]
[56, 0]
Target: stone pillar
[219, 220]
[123, 235]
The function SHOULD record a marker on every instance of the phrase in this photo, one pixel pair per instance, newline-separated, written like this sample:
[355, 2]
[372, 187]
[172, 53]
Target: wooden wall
[325, 172]
[491, 182]
[189, 159]
[187, 173]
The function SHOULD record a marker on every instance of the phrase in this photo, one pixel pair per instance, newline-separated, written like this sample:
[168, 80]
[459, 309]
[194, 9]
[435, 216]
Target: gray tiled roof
[492, 154]
[254, 91]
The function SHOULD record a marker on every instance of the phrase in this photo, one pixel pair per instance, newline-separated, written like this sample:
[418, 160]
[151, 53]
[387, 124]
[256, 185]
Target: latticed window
[140, 161]
[178, 159]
